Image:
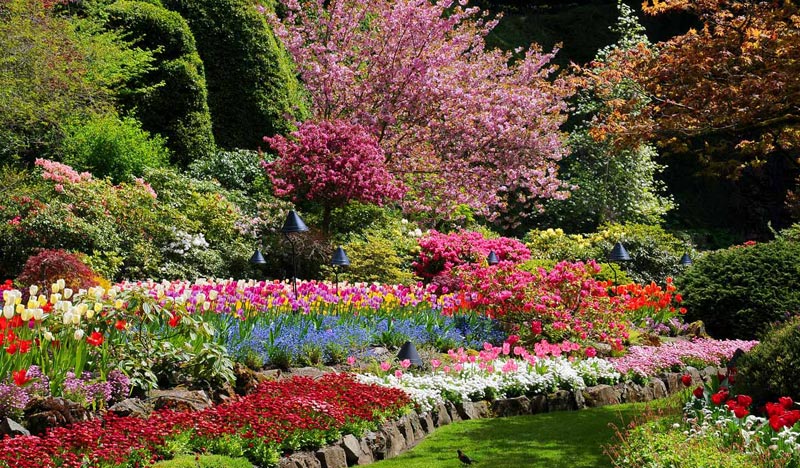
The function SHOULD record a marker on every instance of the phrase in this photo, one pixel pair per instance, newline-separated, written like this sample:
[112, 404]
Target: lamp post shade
[257, 258]
[340, 258]
[409, 351]
[619, 254]
[686, 260]
[492, 258]
[293, 223]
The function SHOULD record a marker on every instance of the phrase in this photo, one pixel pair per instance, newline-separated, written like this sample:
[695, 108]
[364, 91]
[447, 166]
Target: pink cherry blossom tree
[331, 163]
[459, 124]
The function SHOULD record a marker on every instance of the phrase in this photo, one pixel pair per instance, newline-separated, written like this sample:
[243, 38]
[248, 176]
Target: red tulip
[20, 377]
[698, 392]
[686, 379]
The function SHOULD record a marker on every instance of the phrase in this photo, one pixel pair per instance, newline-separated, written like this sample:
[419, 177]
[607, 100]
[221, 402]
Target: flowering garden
[222, 220]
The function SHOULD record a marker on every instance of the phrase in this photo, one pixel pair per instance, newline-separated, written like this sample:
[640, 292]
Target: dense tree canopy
[730, 90]
[458, 123]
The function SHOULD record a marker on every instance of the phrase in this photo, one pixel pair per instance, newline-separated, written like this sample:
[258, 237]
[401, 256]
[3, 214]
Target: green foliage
[772, 369]
[738, 292]
[658, 443]
[654, 252]
[381, 246]
[611, 186]
[235, 170]
[253, 90]
[176, 106]
[188, 229]
[55, 70]
[108, 146]
[204, 461]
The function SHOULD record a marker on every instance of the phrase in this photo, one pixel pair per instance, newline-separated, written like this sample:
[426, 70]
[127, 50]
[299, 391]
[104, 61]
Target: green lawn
[572, 439]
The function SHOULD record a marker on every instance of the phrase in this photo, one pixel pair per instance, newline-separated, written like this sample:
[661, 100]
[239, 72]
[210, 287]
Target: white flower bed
[501, 379]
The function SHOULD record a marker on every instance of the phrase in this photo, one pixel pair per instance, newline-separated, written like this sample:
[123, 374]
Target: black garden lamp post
[492, 258]
[618, 254]
[294, 224]
[257, 259]
[409, 351]
[686, 260]
[339, 261]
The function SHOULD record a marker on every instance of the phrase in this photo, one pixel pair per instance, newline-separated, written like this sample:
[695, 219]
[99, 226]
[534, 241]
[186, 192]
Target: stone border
[396, 437]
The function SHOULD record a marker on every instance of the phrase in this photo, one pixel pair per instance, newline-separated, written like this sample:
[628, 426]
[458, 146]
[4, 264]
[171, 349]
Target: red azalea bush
[49, 265]
[564, 304]
[280, 415]
[440, 253]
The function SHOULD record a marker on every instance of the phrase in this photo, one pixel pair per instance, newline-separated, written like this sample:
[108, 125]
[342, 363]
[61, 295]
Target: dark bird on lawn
[464, 459]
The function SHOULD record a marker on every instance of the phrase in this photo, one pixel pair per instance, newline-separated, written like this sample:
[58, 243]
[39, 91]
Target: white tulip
[78, 334]
[8, 311]
[67, 293]
[33, 289]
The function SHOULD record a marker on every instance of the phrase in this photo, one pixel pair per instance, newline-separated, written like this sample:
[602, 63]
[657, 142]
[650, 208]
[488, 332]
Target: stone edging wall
[396, 437]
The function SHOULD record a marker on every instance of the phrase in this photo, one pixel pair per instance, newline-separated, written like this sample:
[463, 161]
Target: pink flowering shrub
[650, 360]
[440, 253]
[331, 163]
[565, 304]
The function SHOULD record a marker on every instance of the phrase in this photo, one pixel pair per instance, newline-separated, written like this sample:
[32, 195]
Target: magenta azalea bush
[564, 304]
[440, 252]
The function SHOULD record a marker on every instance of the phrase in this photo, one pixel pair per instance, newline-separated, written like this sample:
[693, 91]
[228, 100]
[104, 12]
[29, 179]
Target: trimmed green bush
[772, 369]
[739, 291]
[251, 81]
[108, 146]
[176, 102]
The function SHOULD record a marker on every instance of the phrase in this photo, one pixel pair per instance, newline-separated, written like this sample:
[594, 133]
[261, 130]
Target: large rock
[672, 380]
[9, 427]
[634, 393]
[560, 400]
[473, 409]
[376, 441]
[44, 413]
[246, 379]
[538, 404]
[511, 406]
[178, 399]
[426, 422]
[600, 395]
[441, 417]
[395, 442]
[356, 451]
[313, 372]
[657, 387]
[300, 460]
[452, 411]
[132, 407]
[332, 457]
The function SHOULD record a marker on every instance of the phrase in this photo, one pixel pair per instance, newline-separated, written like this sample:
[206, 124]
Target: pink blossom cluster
[440, 253]
[461, 123]
[146, 186]
[650, 360]
[61, 173]
[332, 163]
[564, 304]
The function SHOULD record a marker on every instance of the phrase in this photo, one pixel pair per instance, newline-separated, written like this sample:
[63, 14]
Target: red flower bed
[279, 416]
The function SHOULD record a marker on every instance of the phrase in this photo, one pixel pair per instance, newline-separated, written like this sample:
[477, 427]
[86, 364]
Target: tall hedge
[252, 87]
[738, 292]
[176, 105]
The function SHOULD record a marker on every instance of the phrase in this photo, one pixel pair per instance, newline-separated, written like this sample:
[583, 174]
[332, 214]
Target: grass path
[573, 439]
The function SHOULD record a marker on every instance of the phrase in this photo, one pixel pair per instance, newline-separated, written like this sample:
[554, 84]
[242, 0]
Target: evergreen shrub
[176, 104]
[772, 369]
[739, 291]
[253, 90]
